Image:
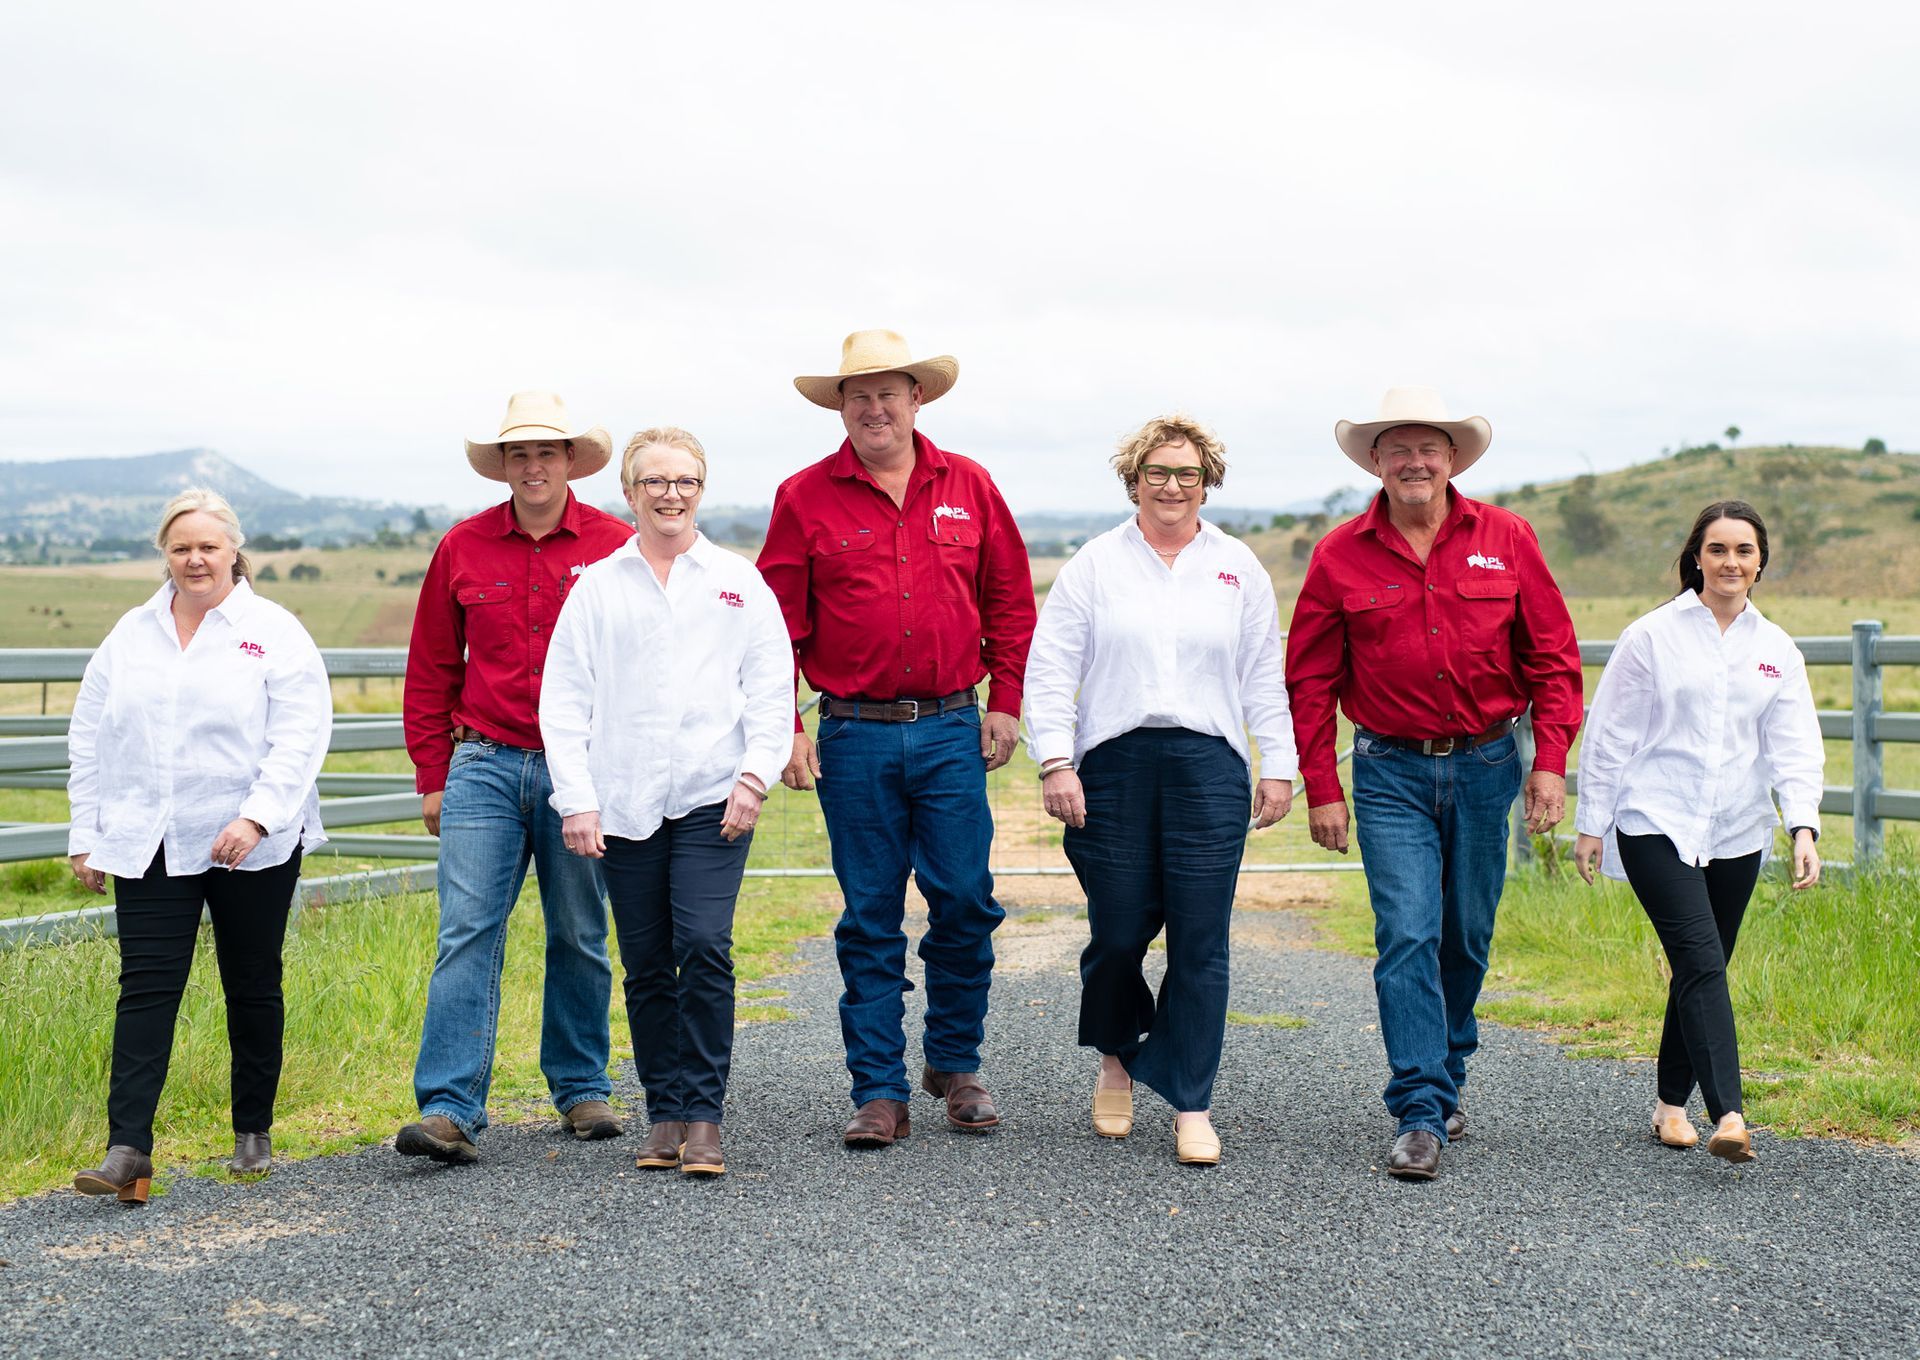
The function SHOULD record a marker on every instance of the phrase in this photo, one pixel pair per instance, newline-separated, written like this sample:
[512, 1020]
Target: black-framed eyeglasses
[1155, 475]
[657, 486]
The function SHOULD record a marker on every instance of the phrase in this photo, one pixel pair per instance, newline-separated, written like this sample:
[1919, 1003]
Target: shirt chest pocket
[845, 562]
[1487, 605]
[956, 557]
[1377, 620]
[487, 612]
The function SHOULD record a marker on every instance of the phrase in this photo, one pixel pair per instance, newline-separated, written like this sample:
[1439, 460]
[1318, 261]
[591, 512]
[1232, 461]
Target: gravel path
[1557, 1227]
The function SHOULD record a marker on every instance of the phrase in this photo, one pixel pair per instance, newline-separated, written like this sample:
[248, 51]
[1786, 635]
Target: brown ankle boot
[701, 1154]
[127, 1172]
[661, 1151]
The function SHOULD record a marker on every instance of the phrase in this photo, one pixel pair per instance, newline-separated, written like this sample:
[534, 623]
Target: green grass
[356, 983]
[1276, 1020]
[1825, 988]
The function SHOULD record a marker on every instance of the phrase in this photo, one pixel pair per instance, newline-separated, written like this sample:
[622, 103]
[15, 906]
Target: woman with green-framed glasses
[1158, 650]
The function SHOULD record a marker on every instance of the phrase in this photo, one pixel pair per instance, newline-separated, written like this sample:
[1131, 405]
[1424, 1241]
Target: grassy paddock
[356, 983]
[1825, 989]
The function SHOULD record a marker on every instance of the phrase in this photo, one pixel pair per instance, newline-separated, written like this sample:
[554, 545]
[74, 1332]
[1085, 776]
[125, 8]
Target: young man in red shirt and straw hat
[487, 610]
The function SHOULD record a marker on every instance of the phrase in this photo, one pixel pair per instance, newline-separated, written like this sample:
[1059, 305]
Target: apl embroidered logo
[1227, 578]
[941, 512]
[253, 649]
[1482, 560]
[1769, 670]
[728, 597]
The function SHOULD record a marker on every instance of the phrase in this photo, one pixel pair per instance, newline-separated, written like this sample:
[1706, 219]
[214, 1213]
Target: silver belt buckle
[913, 704]
[1437, 746]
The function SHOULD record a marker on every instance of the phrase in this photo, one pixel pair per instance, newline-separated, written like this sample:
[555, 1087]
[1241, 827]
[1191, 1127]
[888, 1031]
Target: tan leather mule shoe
[1113, 1112]
[1196, 1145]
[1676, 1131]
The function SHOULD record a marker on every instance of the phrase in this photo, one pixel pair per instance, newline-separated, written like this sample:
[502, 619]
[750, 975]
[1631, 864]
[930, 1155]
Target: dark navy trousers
[1167, 814]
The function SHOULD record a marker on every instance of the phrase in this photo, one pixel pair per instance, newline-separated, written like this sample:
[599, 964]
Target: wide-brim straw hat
[540, 417]
[1414, 406]
[866, 352]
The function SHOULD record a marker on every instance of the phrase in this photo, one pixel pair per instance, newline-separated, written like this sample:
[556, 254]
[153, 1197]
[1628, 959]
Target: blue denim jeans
[495, 816]
[1433, 837]
[902, 797]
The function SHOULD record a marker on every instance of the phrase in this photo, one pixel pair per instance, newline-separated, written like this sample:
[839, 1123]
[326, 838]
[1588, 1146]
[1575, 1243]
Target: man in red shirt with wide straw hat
[904, 583]
[1433, 621]
[487, 608]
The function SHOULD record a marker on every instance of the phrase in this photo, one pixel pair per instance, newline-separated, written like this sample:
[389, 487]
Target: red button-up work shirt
[487, 610]
[912, 601]
[1445, 648]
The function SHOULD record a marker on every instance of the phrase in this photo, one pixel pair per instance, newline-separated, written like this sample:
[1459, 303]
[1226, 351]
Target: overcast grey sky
[329, 240]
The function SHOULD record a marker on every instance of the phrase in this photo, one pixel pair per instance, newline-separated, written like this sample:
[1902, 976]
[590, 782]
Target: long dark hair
[1691, 577]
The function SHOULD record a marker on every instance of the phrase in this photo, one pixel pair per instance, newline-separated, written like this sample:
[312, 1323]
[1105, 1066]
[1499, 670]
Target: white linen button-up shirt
[1691, 728]
[1123, 642]
[170, 743]
[656, 699]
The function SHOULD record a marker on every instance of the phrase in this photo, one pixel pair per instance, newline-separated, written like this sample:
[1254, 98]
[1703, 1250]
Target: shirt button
[903, 557]
[1429, 585]
[536, 627]
[909, 670]
[536, 670]
[1433, 630]
[906, 594]
[902, 524]
[1373, 599]
[1439, 675]
[536, 587]
[909, 632]
[843, 542]
[536, 552]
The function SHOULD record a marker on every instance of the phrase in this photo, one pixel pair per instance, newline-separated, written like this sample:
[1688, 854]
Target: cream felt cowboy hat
[1414, 406]
[881, 352]
[535, 417]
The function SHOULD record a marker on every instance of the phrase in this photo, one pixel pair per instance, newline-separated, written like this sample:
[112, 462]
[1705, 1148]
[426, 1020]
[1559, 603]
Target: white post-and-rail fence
[33, 755]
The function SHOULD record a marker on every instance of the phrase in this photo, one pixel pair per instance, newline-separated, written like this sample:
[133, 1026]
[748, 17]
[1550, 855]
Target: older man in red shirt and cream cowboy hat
[487, 608]
[904, 584]
[1433, 621]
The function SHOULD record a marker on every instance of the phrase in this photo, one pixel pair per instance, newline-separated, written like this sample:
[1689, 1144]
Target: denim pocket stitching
[1513, 749]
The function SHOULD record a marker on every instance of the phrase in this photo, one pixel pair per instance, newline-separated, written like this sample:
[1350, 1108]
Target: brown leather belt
[897, 710]
[461, 734]
[1444, 746]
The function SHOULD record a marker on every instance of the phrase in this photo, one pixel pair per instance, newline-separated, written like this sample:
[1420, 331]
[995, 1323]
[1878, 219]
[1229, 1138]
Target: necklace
[1169, 556]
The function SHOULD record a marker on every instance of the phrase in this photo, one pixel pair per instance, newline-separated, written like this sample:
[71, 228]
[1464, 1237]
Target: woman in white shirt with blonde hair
[667, 713]
[1157, 650]
[1702, 716]
[195, 747]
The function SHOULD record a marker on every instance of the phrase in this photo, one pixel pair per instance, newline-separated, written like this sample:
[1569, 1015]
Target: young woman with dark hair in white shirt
[195, 747]
[1702, 716]
[1158, 649]
[667, 713]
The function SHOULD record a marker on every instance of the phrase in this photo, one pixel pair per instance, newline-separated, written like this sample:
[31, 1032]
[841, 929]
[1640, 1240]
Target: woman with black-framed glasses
[667, 712]
[1158, 649]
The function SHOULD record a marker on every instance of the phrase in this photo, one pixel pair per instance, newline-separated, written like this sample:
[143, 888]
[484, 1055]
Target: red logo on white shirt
[728, 597]
[253, 649]
[1228, 578]
[1772, 672]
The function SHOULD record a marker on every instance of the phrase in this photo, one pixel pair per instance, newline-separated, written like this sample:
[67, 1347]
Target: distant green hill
[1839, 522]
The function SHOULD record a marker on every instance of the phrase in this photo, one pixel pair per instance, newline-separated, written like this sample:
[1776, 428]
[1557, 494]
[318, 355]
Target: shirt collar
[504, 525]
[233, 609]
[700, 554]
[1690, 600]
[1208, 530]
[927, 458]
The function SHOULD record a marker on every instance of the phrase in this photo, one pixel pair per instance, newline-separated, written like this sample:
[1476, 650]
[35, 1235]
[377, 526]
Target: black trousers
[1166, 825]
[1696, 912]
[159, 920]
[673, 896]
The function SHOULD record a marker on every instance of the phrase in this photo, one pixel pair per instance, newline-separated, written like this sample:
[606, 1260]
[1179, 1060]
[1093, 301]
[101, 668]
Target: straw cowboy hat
[1414, 406]
[881, 352]
[540, 417]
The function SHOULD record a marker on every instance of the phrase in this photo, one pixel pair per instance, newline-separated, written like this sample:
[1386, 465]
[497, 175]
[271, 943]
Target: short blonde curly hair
[1161, 431]
[670, 435]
